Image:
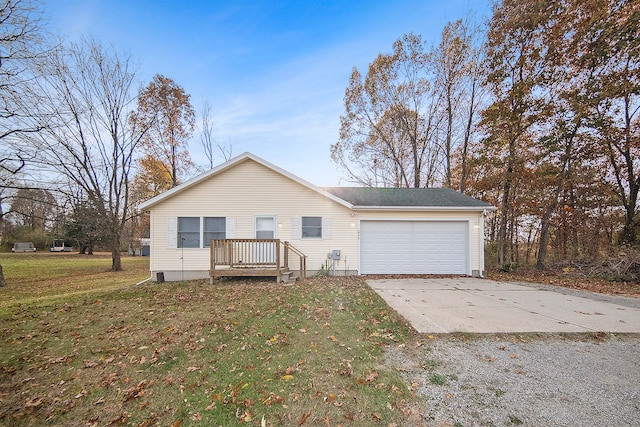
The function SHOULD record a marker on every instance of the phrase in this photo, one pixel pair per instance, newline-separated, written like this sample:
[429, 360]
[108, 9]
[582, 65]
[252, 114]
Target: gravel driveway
[530, 380]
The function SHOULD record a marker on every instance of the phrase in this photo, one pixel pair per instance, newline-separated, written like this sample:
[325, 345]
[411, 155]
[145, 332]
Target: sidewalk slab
[486, 306]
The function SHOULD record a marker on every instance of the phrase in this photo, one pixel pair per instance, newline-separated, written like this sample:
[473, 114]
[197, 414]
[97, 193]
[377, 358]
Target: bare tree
[20, 39]
[86, 95]
[450, 61]
[389, 132]
[457, 65]
[209, 144]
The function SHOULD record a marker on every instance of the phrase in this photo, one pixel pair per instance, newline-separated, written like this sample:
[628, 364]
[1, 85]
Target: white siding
[242, 192]
[250, 189]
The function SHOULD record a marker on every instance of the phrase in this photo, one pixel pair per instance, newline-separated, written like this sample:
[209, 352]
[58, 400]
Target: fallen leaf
[122, 419]
[287, 377]
[291, 369]
[33, 403]
[303, 418]
[371, 376]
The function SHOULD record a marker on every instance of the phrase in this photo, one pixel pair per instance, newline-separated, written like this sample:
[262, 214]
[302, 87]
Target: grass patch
[194, 353]
[437, 379]
[515, 420]
[430, 364]
[498, 392]
[42, 277]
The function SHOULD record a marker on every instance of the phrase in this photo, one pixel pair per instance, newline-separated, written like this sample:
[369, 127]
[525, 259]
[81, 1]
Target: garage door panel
[413, 247]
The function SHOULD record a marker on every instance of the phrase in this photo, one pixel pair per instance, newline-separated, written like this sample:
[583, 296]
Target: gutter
[426, 208]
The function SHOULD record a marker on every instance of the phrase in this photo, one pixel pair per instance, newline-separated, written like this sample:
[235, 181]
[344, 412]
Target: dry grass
[40, 277]
[233, 353]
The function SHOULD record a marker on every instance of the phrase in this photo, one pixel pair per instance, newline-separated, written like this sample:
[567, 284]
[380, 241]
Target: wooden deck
[253, 258]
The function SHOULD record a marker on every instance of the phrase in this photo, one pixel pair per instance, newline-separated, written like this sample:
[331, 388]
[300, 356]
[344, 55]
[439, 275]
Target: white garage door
[414, 247]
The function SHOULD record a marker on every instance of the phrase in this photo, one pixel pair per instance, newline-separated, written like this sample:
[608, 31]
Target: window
[265, 227]
[214, 228]
[188, 232]
[311, 227]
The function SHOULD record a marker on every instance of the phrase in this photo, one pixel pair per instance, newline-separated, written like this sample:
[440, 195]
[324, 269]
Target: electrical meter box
[335, 254]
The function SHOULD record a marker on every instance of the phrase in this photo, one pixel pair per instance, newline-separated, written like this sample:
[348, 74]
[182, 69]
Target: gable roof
[361, 198]
[403, 198]
[228, 165]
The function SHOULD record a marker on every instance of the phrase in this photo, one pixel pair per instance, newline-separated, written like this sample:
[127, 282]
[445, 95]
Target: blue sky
[274, 72]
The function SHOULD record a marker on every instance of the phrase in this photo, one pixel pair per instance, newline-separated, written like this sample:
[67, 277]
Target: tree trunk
[467, 138]
[628, 235]
[116, 262]
[2, 281]
[448, 139]
[504, 219]
[544, 242]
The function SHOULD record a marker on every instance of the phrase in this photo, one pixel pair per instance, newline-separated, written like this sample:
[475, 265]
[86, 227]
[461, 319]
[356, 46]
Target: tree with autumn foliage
[388, 133]
[607, 41]
[402, 125]
[515, 53]
[166, 107]
[562, 130]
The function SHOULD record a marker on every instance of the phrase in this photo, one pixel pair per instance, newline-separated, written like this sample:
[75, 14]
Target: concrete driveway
[467, 304]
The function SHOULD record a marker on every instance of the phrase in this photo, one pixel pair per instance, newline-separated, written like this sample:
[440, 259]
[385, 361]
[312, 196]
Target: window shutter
[172, 232]
[327, 225]
[296, 228]
[230, 228]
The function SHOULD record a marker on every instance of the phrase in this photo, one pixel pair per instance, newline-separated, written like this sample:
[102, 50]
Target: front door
[265, 252]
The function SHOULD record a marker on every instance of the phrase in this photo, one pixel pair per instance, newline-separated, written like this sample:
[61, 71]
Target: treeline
[536, 113]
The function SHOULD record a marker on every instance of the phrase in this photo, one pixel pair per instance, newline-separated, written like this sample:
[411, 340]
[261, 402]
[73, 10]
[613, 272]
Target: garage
[414, 247]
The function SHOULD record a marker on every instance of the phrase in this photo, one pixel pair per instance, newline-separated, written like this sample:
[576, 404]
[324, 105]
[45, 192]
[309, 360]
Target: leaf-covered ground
[232, 353]
[568, 278]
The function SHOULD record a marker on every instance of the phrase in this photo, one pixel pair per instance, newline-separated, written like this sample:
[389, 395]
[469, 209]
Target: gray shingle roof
[406, 197]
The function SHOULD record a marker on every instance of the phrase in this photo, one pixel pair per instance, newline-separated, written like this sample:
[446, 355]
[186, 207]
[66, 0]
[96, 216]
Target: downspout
[143, 281]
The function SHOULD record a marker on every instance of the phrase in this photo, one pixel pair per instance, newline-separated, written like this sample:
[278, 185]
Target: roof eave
[426, 208]
[146, 205]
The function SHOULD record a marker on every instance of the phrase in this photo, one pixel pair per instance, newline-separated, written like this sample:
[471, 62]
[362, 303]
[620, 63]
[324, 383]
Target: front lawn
[191, 353]
[44, 276]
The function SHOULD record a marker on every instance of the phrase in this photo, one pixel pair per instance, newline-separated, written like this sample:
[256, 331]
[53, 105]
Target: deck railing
[302, 257]
[256, 254]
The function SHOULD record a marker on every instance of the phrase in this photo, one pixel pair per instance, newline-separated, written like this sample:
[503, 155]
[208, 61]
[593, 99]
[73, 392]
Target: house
[341, 230]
